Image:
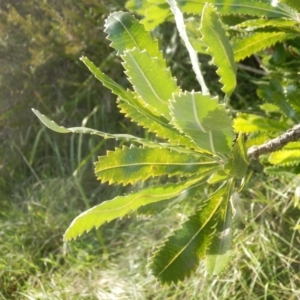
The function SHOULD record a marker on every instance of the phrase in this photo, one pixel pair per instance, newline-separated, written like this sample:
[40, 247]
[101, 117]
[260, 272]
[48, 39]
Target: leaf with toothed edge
[285, 157]
[179, 255]
[195, 115]
[138, 111]
[107, 82]
[156, 12]
[295, 4]
[127, 33]
[125, 137]
[248, 7]
[151, 81]
[219, 251]
[128, 165]
[158, 207]
[283, 171]
[123, 205]
[247, 123]
[256, 42]
[218, 46]
[155, 15]
[262, 23]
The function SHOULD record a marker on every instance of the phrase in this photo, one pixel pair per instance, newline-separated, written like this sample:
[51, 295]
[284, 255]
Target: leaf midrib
[156, 164]
[193, 237]
[146, 79]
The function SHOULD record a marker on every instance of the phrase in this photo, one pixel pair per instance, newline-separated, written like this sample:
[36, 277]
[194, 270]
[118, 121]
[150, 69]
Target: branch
[291, 135]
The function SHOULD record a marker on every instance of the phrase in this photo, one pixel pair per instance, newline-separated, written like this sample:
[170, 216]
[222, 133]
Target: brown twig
[291, 135]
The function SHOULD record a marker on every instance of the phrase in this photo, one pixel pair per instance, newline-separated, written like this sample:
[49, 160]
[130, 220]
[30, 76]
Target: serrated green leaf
[247, 123]
[292, 145]
[139, 6]
[262, 23]
[282, 171]
[181, 252]
[238, 210]
[218, 46]
[219, 251]
[127, 33]
[219, 176]
[127, 137]
[142, 71]
[292, 95]
[136, 5]
[137, 112]
[128, 165]
[194, 34]
[269, 108]
[122, 205]
[256, 139]
[155, 208]
[285, 157]
[195, 115]
[236, 166]
[274, 93]
[285, 108]
[49, 123]
[158, 207]
[155, 15]
[248, 7]
[156, 12]
[256, 42]
[240, 157]
[292, 3]
[109, 83]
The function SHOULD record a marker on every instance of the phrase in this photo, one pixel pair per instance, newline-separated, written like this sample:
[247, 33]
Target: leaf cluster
[194, 139]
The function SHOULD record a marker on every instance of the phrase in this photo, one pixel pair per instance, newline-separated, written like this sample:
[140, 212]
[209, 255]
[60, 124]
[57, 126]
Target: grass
[110, 263]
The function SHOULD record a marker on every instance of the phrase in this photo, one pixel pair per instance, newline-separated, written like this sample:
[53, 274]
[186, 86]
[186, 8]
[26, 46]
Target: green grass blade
[128, 165]
[122, 205]
[218, 46]
[179, 256]
[150, 80]
[195, 115]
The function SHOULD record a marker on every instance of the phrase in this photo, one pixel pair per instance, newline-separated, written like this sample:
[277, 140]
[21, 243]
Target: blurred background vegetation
[46, 179]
